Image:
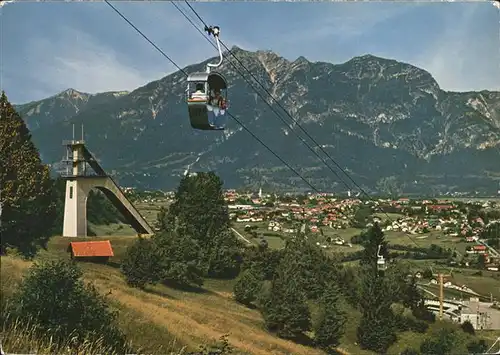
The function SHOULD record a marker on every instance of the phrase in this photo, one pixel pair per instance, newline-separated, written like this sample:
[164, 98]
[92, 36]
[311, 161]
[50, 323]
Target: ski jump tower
[78, 185]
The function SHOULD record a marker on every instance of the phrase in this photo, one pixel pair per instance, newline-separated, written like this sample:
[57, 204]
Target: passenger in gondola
[199, 94]
[218, 104]
[217, 100]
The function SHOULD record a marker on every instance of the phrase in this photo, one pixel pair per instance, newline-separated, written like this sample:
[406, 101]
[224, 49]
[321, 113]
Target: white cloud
[348, 20]
[77, 61]
[461, 61]
[115, 57]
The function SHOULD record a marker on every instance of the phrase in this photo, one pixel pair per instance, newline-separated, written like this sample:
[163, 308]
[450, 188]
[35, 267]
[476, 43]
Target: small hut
[94, 251]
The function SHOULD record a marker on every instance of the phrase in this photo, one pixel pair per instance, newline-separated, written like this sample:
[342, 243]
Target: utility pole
[441, 277]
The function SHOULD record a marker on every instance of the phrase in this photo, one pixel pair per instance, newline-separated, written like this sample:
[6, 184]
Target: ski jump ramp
[78, 186]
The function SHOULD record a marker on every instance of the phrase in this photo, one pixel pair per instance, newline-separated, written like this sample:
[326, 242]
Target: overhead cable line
[260, 95]
[231, 115]
[257, 92]
[298, 124]
[145, 37]
[281, 106]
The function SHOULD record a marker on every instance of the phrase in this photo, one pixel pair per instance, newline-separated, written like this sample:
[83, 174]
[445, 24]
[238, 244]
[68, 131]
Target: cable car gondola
[381, 265]
[207, 94]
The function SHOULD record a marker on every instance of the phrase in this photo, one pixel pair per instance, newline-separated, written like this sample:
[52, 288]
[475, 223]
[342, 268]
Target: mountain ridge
[367, 106]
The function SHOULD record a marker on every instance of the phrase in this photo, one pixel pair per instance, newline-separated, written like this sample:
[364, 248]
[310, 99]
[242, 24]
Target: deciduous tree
[180, 259]
[200, 212]
[141, 264]
[199, 208]
[314, 269]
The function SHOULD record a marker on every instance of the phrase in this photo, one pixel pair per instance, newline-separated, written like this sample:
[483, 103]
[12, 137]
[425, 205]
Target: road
[426, 290]
[239, 235]
[492, 251]
[471, 292]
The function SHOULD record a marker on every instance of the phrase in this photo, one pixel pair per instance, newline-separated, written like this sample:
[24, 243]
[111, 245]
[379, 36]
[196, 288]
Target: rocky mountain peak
[373, 67]
[268, 56]
[301, 59]
[385, 121]
[72, 94]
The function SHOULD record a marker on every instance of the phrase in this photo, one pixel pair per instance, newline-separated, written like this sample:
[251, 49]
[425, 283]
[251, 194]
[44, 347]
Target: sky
[47, 47]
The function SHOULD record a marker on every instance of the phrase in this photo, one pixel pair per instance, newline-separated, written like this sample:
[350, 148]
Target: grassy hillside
[161, 319]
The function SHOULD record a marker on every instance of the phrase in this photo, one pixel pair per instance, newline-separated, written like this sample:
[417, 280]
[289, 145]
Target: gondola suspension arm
[214, 31]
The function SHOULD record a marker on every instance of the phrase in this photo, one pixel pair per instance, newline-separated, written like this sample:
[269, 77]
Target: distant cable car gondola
[207, 94]
[381, 265]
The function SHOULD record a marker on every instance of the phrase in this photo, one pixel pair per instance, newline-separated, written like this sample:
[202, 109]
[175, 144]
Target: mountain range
[386, 123]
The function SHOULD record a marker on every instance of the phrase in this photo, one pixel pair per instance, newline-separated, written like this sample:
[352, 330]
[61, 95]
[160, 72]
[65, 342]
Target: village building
[92, 251]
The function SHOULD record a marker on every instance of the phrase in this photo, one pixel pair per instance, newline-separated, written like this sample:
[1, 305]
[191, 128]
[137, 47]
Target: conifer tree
[314, 269]
[405, 290]
[285, 310]
[330, 328]
[371, 241]
[376, 330]
[28, 209]
[414, 299]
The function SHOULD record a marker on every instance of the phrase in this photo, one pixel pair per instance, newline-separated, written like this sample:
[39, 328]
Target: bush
[401, 322]
[180, 259]
[477, 346]
[57, 302]
[422, 313]
[247, 287]
[222, 347]
[467, 327]
[404, 323]
[140, 265]
[440, 343]
[419, 326]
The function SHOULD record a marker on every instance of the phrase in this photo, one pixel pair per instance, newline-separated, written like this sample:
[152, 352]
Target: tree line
[52, 305]
[194, 243]
[32, 201]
